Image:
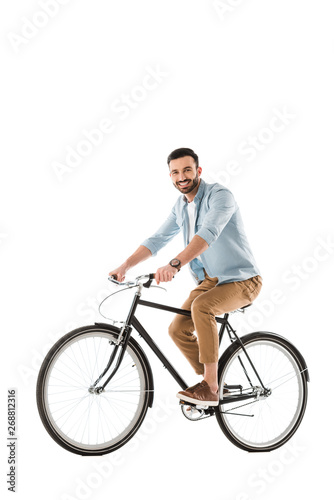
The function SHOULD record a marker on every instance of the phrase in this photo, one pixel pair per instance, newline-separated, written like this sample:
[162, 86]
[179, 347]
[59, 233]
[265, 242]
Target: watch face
[175, 262]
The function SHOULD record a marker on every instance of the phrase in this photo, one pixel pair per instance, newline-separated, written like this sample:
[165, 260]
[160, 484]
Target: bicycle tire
[75, 379]
[282, 411]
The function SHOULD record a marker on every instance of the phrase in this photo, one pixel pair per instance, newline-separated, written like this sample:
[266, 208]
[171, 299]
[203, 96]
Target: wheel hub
[95, 390]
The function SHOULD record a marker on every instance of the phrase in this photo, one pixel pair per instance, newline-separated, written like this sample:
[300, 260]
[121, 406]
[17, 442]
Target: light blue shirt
[218, 221]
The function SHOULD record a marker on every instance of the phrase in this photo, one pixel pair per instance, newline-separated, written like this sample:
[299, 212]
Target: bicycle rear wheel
[269, 418]
[79, 419]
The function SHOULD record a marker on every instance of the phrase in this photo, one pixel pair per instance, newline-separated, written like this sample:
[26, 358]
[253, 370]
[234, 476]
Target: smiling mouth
[184, 183]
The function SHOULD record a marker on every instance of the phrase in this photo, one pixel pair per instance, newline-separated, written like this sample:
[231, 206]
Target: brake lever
[113, 280]
[149, 282]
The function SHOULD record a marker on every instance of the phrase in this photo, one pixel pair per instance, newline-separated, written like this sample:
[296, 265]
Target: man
[220, 261]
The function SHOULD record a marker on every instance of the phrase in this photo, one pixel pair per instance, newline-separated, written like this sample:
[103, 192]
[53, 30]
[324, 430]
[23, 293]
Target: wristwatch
[175, 263]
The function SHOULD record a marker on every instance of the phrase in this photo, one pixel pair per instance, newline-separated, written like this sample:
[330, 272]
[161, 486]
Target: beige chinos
[205, 302]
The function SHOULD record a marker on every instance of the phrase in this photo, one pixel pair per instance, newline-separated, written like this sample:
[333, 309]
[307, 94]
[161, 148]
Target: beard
[189, 187]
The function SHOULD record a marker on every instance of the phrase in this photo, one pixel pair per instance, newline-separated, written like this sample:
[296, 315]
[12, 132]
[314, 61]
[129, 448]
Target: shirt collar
[199, 194]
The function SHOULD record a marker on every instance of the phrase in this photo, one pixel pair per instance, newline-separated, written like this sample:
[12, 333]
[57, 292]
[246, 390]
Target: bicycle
[95, 384]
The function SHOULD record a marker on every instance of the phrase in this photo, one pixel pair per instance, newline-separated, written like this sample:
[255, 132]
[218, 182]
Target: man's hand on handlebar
[120, 272]
[162, 275]
[165, 273]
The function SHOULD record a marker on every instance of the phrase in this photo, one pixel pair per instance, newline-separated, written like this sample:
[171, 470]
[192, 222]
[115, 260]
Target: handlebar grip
[114, 276]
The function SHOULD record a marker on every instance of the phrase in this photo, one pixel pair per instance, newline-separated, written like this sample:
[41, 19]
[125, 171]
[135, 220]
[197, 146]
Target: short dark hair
[180, 153]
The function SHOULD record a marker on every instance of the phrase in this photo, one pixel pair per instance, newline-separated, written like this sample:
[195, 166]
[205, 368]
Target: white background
[223, 76]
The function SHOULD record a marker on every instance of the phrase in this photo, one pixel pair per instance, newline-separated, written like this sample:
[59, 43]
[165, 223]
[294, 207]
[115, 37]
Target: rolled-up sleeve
[164, 234]
[221, 209]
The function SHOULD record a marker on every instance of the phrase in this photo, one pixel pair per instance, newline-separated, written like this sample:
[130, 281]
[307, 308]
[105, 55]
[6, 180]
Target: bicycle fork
[98, 390]
[122, 342]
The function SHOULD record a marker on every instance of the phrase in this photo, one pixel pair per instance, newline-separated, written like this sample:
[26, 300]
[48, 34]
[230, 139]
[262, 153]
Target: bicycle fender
[112, 328]
[254, 335]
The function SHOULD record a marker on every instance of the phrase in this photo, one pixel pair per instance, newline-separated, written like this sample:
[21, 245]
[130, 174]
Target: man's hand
[142, 253]
[120, 272]
[165, 273]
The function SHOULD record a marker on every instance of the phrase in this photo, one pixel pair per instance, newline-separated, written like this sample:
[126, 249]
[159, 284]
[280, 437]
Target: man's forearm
[197, 246]
[142, 253]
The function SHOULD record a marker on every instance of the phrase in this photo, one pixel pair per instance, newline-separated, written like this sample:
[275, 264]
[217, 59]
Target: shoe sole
[188, 399]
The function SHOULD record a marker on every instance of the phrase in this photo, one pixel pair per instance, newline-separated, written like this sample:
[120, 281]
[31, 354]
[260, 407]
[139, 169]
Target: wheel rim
[87, 420]
[274, 417]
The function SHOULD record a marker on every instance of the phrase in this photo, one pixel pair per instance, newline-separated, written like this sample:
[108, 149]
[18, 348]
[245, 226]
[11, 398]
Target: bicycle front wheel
[272, 415]
[79, 419]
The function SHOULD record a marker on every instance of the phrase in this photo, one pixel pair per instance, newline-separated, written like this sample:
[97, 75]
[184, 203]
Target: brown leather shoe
[193, 387]
[226, 392]
[201, 395]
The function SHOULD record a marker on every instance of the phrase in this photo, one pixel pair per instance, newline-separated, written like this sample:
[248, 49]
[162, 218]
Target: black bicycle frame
[143, 333]
[133, 321]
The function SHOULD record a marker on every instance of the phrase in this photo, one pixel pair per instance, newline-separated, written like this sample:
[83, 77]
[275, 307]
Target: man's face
[184, 174]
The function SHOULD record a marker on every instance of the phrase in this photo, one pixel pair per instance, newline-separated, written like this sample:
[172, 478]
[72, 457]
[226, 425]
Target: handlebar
[148, 277]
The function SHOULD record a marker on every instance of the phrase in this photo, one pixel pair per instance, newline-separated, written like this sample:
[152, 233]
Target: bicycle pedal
[181, 402]
[186, 403]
